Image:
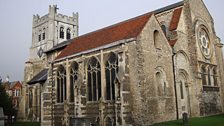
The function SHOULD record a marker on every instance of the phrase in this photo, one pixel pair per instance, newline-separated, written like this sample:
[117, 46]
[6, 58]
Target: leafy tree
[6, 102]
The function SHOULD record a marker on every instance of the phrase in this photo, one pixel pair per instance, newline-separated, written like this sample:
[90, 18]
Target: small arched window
[156, 39]
[68, 33]
[43, 35]
[61, 33]
[94, 80]
[39, 36]
[61, 85]
[203, 75]
[161, 84]
[164, 28]
[73, 80]
[111, 69]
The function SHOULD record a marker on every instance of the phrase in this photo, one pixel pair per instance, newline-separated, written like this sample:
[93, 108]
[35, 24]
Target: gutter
[97, 49]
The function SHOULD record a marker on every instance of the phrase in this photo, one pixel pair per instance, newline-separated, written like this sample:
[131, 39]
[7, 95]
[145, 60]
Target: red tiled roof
[124, 30]
[175, 19]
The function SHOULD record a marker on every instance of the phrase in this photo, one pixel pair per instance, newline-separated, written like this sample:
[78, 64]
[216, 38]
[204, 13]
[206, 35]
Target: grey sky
[16, 22]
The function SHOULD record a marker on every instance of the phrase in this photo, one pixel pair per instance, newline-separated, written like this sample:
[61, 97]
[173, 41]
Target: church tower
[50, 30]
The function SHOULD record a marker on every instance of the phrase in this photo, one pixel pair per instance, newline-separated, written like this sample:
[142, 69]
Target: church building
[144, 70]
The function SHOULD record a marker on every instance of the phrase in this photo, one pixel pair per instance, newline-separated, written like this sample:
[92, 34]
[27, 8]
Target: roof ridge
[113, 25]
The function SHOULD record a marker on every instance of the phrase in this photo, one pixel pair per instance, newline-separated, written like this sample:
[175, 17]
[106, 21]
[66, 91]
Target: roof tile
[175, 19]
[124, 30]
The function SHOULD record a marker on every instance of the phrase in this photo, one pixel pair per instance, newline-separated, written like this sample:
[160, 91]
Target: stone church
[141, 71]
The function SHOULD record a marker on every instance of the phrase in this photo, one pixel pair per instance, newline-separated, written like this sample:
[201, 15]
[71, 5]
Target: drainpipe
[52, 94]
[175, 88]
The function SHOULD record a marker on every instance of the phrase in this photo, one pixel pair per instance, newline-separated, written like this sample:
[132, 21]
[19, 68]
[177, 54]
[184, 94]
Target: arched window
[203, 75]
[164, 29]
[61, 33]
[111, 69]
[68, 34]
[43, 35]
[215, 77]
[30, 98]
[73, 79]
[39, 36]
[156, 39]
[181, 90]
[209, 79]
[161, 84]
[61, 84]
[94, 80]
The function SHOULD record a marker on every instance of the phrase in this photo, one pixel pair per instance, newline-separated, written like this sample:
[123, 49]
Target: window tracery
[111, 69]
[61, 85]
[73, 80]
[94, 80]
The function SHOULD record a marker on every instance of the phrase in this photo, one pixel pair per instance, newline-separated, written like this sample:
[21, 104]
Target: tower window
[68, 34]
[94, 80]
[61, 33]
[43, 35]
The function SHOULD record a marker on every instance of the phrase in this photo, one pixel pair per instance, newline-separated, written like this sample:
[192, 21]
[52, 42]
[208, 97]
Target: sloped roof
[59, 46]
[124, 30]
[175, 19]
[40, 77]
[128, 29]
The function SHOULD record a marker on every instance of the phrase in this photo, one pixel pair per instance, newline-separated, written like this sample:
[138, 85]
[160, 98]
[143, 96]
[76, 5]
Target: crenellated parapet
[37, 20]
[68, 19]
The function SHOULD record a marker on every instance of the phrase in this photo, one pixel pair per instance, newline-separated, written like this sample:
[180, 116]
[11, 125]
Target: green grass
[217, 120]
[24, 124]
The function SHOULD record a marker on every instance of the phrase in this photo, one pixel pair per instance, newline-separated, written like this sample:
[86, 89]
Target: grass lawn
[24, 124]
[217, 120]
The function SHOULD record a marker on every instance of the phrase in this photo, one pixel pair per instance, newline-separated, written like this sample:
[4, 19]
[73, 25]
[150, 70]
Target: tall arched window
[61, 33]
[209, 79]
[215, 77]
[30, 98]
[43, 35]
[181, 90]
[61, 84]
[73, 79]
[68, 34]
[156, 39]
[111, 67]
[203, 75]
[94, 80]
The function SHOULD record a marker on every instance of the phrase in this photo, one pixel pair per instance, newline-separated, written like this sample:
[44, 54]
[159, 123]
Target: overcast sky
[16, 23]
